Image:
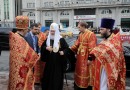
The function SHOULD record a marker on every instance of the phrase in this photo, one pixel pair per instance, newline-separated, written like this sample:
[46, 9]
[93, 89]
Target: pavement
[67, 86]
[4, 82]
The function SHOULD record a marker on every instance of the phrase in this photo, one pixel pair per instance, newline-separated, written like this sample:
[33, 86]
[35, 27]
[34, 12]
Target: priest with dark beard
[108, 57]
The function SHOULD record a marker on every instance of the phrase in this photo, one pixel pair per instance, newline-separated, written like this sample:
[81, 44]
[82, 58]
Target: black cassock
[54, 69]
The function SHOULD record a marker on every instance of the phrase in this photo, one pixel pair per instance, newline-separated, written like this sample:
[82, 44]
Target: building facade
[6, 13]
[70, 12]
[28, 9]
[9, 9]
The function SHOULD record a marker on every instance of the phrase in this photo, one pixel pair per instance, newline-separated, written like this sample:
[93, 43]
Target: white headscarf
[56, 37]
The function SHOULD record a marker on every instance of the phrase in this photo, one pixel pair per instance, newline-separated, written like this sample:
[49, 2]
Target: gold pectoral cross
[55, 49]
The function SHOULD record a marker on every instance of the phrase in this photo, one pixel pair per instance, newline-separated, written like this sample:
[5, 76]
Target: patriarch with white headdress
[55, 63]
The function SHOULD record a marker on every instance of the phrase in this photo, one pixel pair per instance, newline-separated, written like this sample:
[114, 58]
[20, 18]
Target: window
[125, 11]
[33, 4]
[67, 2]
[48, 13]
[32, 21]
[8, 15]
[106, 11]
[31, 14]
[30, 5]
[51, 4]
[27, 5]
[5, 15]
[6, 9]
[65, 23]
[61, 2]
[48, 23]
[125, 1]
[80, 1]
[46, 4]
[64, 13]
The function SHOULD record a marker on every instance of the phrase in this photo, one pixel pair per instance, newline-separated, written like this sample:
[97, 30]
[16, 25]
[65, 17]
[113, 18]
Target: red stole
[22, 60]
[109, 54]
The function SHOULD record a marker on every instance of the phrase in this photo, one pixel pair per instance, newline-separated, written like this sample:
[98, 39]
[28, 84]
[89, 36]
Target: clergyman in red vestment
[110, 68]
[22, 58]
[86, 41]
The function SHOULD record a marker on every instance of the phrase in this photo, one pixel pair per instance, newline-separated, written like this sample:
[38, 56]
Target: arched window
[31, 14]
[48, 13]
[64, 13]
[106, 11]
[126, 10]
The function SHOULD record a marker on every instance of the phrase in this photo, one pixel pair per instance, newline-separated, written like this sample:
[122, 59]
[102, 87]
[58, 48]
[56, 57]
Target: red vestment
[109, 55]
[22, 60]
[39, 67]
[82, 47]
[41, 38]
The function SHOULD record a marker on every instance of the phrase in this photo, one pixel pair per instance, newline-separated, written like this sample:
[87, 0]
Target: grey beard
[52, 37]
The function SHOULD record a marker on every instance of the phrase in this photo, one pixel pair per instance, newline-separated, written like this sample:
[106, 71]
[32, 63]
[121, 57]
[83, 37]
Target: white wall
[7, 22]
[11, 10]
[56, 17]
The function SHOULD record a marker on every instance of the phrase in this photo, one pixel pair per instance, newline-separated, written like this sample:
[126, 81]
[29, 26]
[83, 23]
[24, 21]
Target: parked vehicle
[127, 59]
[4, 38]
[66, 33]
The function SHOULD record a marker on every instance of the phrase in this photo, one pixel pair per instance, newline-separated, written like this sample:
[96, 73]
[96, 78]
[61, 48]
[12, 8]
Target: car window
[62, 30]
[5, 30]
